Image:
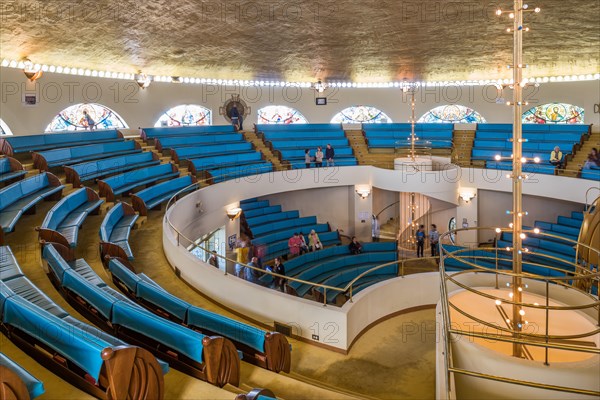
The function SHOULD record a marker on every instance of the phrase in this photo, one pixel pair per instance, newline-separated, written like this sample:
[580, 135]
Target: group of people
[434, 238]
[593, 158]
[318, 157]
[252, 272]
[298, 246]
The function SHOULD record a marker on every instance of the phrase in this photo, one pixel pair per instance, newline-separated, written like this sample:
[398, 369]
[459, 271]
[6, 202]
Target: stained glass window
[361, 115]
[185, 115]
[74, 118]
[554, 113]
[4, 129]
[452, 113]
[280, 115]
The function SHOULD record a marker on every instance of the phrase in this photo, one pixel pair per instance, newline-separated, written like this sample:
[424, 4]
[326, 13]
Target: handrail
[586, 196]
[469, 257]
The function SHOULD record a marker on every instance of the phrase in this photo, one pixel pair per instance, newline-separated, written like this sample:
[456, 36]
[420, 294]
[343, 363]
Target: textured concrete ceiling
[363, 41]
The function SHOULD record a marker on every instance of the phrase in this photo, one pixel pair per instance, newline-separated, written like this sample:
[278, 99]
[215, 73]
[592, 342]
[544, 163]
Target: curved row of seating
[126, 182]
[221, 174]
[592, 173]
[86, 357]
[63, 221]
[11, 170]
[529, 168]
[168, 143]
[22, 196]
[182, 154]
[268, 350]
[396, 135]
[114, 232]
[213, 359]
[292, 128]
[199, 164]
[16, 383]
[12, 145]
[87, 171]
[173, 131]
[154, 196]
[44, 160]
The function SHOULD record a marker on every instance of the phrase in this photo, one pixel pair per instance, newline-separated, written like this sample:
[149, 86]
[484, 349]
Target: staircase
[383, 158]
[261, 146]
[463, 144]
[574, 165]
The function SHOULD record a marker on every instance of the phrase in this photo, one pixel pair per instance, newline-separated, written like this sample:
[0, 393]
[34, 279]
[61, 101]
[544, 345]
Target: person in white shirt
[434, 238]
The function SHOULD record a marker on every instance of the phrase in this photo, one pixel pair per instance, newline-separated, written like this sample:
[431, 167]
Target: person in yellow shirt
[556, 157]
[241, 258]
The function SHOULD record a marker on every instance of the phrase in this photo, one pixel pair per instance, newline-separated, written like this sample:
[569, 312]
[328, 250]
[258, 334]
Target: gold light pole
[517, 171]
[412, 125]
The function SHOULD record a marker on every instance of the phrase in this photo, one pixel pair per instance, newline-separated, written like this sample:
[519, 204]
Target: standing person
[307, 159]
[89, 121]
[434, 238]
[556, 157]
[279, 268]
[329, 154]
[375, 228]
[420, 236]
[214, 260]
[235, 118]
[319, 157]
[241, 259]
[295, 245]
[314, 243]
[252, 275]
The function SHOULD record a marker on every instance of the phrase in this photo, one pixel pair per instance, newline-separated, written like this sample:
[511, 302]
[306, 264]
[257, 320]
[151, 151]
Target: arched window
[554, 113]
[185, 115]
[280, 115]
[73, 119]
[452, 114]
[361, 115]
[4, 129]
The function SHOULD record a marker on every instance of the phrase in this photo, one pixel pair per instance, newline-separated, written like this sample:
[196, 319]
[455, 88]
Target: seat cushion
[127, 220]
[8, 265]
[119, 234]
[26, 289]
[70, 233]
[83, 269]
[34, 386]
[11, 175]
[73, 219]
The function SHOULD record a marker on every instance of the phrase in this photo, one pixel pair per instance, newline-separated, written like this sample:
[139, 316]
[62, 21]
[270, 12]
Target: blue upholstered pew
[397, 134]
[303, 143]
[153, 196]
[259, 221]
[88, 358]
[166, 143]
[109, 166]
[285, 136]
[22, 196]
[267, 349]
[44, 160]
[11, 170]
[114, 232]
[183, 153]
[213, 359]
[591, 173]
[277, 226]
[158, 132]
[220, 174]
[63, 221]
[126, 182]
[196, 165]
[16, 383]
[11, 145]
[529, 168]
[297, 127]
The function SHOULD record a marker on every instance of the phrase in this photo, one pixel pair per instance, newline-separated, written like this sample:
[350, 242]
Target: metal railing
[489, 260]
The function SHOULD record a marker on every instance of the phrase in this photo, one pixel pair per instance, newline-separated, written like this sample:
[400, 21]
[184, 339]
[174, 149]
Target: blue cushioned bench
[115, 230]
[286, 224]
[271, 217]
[126, 182]
[183, 153]
[11, 145]
[284, 235]
[295, 155]
[168, 143]
[303, 143]
[292, 128]
[11, 170]
[255, 204]
[267, 349]
[591, 173]
[319, 272]
[63, 221]
[398, 135]
[228, 173]
[44, 160]
[22, 196]
[280, 248]
[318, 136]
[16, 382]
[158, 132]
[213, 359]
[530, 168]
[79, 353]
[406, 127]
[257, 212]
[152, 197]
[404, 142]
[78, 173]
[223, 161]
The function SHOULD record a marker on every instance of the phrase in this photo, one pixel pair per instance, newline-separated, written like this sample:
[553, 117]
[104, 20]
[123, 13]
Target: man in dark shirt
[354, 246]
[329, 154]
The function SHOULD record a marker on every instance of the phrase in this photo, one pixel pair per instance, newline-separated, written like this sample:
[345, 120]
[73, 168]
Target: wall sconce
[143, 80]
[467, 195]
[31, 72]
[363, 192]
[233, 213]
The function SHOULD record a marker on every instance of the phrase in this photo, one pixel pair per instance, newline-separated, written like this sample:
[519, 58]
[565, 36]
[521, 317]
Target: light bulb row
[235, 82]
